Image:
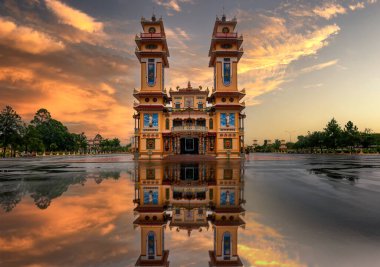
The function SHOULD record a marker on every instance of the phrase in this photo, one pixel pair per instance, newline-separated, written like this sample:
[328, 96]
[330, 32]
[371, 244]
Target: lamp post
[290, 134]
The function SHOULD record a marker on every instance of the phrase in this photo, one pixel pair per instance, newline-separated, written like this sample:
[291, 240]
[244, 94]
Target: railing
[192, 128]
[151, 35]
[226, 35]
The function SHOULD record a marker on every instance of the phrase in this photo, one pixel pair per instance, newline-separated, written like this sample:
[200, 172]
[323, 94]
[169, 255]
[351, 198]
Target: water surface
[289, 210]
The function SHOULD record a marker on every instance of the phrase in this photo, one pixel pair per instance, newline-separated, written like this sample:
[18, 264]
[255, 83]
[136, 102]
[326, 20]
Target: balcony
[226, 35]
[191, 128]
[151, 35]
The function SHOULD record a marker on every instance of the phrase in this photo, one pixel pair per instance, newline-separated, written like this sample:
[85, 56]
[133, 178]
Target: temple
[189, 120]
[189, 196]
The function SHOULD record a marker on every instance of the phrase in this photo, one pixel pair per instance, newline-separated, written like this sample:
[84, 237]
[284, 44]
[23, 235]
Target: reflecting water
[270, 210]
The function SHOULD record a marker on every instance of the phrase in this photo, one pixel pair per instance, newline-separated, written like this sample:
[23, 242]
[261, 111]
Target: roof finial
[153, 15]
[224, 15]
[189, 85]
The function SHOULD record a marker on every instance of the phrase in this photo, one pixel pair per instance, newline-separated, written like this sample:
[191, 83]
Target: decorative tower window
[152, 30]
[151, 120]
[200, 105]
[151, 72]
[167, 124]
[227, 71]
[227, 119]
[226, 246]
[151, 245]
[211, 124]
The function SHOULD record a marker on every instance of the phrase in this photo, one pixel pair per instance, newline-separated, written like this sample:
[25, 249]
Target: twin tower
[188, 120]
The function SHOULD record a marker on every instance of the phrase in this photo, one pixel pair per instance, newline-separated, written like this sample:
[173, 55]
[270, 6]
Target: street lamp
[290, 134]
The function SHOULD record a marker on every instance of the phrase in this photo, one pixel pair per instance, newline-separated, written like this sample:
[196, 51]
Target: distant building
[254, 145]
[189, 120]
[93, 145]
[283, 147]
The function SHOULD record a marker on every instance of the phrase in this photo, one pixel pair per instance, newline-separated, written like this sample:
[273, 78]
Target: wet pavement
[270, 210]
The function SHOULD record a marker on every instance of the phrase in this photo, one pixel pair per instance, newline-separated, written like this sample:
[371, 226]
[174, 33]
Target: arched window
[151, 246]
[211, 124]
[167, 124]
[226, 245]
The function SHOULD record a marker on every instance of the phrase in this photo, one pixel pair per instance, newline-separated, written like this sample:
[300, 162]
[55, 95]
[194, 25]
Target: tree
[350, 135]
[316, 139]
[10, 127]
[366, 138]
[332, 134]
[53, 133]
[276, 145]
[32, 140]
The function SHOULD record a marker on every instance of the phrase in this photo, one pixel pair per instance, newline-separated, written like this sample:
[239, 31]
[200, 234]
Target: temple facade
[189, 120]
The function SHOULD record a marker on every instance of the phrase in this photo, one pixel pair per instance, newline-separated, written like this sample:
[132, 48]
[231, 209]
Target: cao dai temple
[189, 120]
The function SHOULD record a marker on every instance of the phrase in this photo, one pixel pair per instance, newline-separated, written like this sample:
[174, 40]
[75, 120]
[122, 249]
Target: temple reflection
[189, 196]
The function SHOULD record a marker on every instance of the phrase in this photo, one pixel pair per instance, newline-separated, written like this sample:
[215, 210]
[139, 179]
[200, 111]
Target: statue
[228, 197]
[150, 120]
[150, 196]
[228, 120]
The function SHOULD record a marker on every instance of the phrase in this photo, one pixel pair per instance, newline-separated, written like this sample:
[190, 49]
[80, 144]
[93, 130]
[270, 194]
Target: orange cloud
[74, 102]
[329, 10]
[271, 48]
[84, 221]
[73, 17]
[264, 246]
[27, 39]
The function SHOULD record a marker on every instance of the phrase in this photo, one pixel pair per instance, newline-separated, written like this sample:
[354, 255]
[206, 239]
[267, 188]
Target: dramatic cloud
[359, 5]
[73, 17]
[27, 39]
[319, 66]
[273, 44]
[329, 10]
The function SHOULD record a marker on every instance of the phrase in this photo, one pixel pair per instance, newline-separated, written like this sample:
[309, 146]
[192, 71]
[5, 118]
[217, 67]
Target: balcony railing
[191, 128]
[226, 35]
[151, 35]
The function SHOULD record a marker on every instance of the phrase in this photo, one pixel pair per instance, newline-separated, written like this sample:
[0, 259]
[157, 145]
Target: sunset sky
[304, 63]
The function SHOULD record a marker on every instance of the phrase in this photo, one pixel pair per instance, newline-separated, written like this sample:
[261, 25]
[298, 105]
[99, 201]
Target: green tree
[366, 138]
[32, 140]
[52, 131]
[333, 134]
[10, 128]
[350, 135]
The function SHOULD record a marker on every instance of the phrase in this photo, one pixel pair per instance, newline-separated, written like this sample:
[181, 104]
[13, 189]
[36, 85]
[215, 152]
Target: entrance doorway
[189, 145]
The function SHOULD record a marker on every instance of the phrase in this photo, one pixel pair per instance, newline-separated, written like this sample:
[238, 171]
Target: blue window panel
[232, 119]
[151, 120]
[155, 120]
[151, 73]
[223, 121]
[227, 73]
[227, 244]
[151, 244]
[151, 197]
[227, 198]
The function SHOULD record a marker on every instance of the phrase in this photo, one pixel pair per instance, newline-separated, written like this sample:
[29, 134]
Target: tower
[152, 52]
[227, 217]
[225, 53]
[151, 215]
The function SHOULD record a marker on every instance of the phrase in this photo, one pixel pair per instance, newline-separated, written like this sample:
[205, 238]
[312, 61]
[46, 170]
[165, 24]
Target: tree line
[45, 134]
[333, 138]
